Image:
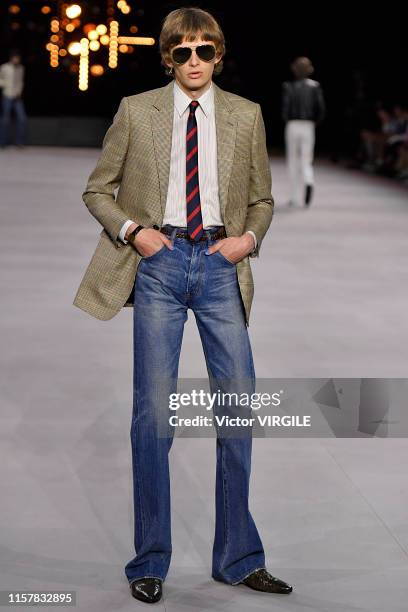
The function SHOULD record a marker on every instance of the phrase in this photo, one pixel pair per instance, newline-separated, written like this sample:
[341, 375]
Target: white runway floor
[331, 288]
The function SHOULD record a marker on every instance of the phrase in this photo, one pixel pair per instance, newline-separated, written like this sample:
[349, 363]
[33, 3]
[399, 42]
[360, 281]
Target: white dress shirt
[176, 207]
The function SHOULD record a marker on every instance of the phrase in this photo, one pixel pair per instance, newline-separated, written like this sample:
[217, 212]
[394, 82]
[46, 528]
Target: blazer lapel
[226, 127]
[162, 130]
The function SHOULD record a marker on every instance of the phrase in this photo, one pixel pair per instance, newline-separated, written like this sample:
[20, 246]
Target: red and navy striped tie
[194, 219]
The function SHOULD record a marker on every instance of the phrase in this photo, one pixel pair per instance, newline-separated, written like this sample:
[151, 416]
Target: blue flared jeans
[167, 284]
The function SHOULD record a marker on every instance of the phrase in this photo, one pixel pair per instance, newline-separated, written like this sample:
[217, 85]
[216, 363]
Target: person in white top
[12, 85]
[303, 108]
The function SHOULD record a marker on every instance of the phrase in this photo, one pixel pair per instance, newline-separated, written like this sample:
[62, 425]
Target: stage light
[74, 48]
[84, 64]
[73, 11]
[113, 44]
[54, 57]
[69, 17]
[96, 70]
[135, 40]
[89, 27]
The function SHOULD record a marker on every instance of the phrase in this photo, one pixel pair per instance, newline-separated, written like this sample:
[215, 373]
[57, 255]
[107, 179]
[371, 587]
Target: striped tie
[194, 219]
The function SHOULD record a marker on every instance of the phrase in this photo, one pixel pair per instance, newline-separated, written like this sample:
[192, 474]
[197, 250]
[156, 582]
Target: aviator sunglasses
[181, 55]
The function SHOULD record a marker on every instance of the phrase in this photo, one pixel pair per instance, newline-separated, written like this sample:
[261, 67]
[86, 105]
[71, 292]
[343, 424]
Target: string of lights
[86, 47]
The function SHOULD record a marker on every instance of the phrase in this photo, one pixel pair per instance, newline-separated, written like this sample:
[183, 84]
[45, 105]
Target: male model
[303, 107]
[194, 203]
[12, 84]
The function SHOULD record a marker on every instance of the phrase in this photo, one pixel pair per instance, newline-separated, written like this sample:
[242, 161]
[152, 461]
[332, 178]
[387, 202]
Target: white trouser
[300, 140]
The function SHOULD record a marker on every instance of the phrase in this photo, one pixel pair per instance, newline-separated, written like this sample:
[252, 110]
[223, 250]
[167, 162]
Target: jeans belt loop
[173, 235]
[208, 235]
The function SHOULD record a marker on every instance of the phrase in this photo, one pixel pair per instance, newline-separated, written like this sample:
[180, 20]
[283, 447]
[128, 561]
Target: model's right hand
[148, 241]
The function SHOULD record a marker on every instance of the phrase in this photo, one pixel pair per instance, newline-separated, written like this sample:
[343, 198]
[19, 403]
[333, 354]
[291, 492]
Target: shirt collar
[182, 100]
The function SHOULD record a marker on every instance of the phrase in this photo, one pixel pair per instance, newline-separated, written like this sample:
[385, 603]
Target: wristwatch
[133, 234]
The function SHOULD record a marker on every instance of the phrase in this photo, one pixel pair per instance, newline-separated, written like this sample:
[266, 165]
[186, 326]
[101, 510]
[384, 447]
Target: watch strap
[134, 233]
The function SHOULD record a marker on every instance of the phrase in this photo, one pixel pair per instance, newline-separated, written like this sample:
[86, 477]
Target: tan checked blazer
[136, 158]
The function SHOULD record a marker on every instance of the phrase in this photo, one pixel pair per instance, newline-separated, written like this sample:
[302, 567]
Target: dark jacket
[303, 99]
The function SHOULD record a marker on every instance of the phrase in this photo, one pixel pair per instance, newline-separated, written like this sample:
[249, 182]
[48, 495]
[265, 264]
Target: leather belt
[220, 233]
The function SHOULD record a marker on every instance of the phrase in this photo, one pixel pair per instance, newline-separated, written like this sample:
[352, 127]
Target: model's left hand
[234, 248]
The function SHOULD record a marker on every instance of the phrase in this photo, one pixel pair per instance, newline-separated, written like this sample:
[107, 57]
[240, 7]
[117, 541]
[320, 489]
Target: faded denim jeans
[167, 284]
[8, 104]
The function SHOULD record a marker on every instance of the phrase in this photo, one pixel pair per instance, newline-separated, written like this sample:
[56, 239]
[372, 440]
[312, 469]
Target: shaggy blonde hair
[188, 23]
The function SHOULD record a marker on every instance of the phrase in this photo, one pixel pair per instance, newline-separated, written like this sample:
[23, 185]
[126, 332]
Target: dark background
[359, 58]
